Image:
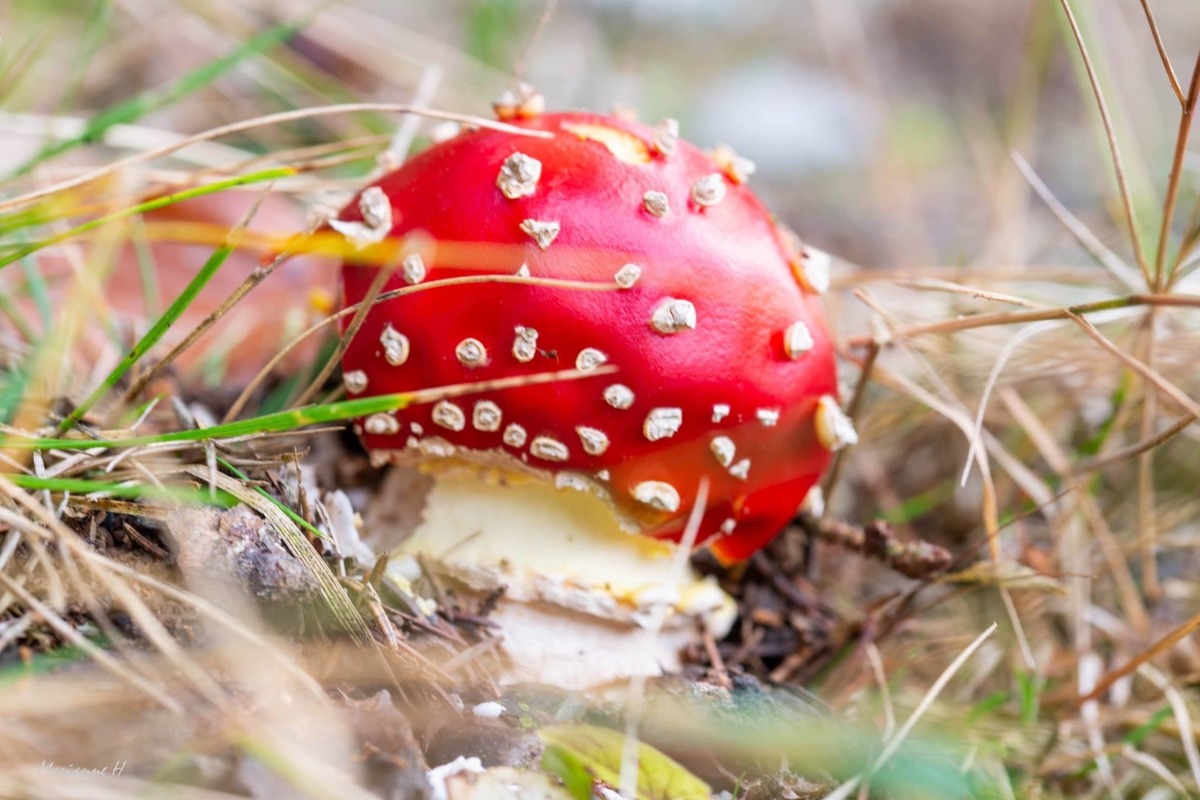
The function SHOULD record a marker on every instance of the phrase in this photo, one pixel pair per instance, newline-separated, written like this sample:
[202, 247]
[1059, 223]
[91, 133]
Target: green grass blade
[296, 418]
[134, 491]
[150, 205]
[296, 518]
[156, 332]
[137, 107]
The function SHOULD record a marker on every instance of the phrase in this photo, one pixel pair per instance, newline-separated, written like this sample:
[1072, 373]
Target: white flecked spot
[519, 176]
[444, 131]
[797, 340]
[604, 475]
[656, 203]
[619, 396]
[814, 502]
[834, 429]
[382, 425]
[735, 167]
[355, 381]
[543, 233]
[548, 449]
[489, 710]
[657, 494]
[741, 469]
[523, 271]
[416, 428]
[376, 219]
[673, 315]
[709, 190]
[395, 345]
[723, 448]
[573, 480]
[523, 103]
[413, 269]
[525, 344]
[589, 358]
[815, 269]
[514, 435]
[628, 275]
[471, 353]
[595, 441]
[769, 417]
[728, 525]
[449, 416]
[720, 412]
[436, 446]
[666, 136]
[486, 416]
[662, 423]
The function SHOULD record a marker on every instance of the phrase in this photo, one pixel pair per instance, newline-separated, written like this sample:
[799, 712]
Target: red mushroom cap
[711, 320]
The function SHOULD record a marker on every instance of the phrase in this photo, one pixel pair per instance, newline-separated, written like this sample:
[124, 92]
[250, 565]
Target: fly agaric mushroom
[724, 370]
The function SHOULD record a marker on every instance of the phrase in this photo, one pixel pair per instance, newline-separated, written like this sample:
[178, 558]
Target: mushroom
[712, 363]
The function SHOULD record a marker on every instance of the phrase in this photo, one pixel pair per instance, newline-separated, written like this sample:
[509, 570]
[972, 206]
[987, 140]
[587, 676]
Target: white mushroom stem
[578, 588]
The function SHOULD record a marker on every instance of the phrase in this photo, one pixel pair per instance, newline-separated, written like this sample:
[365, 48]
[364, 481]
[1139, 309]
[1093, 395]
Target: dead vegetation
[998, 599]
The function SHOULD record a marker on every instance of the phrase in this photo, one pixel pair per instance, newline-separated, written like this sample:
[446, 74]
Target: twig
[1162, 52]
[1181, 140]
[543, 22]
[236, 408]
[893, 744]
[1190, 626]
[261, 122]
[958, 324]
[1111, 134]
[1090, 242]
[878, 540]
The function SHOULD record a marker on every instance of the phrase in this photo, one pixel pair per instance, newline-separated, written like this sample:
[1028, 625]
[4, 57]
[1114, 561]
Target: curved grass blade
[150, 205]
[164, 323]
[297, 418]
[137, 107]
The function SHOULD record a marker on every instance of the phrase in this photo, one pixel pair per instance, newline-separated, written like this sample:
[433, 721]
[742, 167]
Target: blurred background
[881, 128]
[910, 138]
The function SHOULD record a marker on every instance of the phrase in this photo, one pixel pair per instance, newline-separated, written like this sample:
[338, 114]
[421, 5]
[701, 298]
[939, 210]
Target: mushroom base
[583, 600]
